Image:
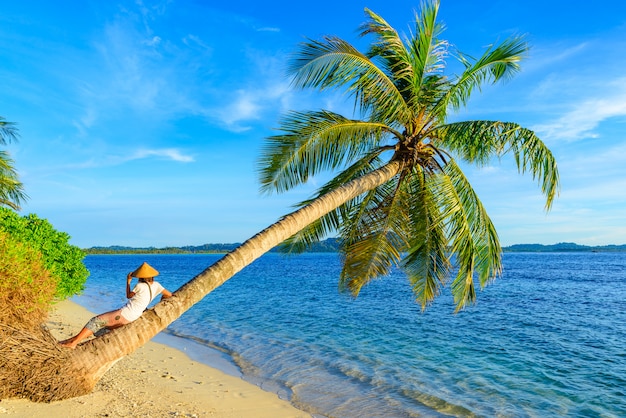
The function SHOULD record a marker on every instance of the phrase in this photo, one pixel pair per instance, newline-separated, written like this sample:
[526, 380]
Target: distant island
[331, 245]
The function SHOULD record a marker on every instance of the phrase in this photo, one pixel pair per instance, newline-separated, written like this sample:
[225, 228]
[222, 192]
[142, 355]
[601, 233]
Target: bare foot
[68, 343]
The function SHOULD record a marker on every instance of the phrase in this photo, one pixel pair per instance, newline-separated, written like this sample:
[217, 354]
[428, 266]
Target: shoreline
[157, 380]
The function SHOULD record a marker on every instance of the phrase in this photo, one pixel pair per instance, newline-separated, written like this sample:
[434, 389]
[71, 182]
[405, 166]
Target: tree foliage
[28, 352]
[26, 287]
[63, 260]
[11, 188]
[427, 216]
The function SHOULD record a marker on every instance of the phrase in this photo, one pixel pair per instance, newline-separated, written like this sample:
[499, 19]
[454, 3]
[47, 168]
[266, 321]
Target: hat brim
[145, 271]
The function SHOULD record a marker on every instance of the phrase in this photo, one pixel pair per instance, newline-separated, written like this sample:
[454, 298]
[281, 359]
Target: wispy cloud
[544, 58]
[148, 74]
[266, 91]
[580, 85]
[268, 29]
[194, 41]
[111, 160]
[582, 121]
[245, 107]
[165, 153]
[251, 105]
[134, 71]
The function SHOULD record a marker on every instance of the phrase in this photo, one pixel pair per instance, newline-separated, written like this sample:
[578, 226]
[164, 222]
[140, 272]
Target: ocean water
[547, 339]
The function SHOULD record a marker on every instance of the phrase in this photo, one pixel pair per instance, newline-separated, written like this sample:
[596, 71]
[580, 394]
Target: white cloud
[167, 153]
[156, 40]
[253, 104]
[133, 70]
[583, 119]
[196, 42]
[245, 107]
[268, 29]
[546, 58]
[110, 160]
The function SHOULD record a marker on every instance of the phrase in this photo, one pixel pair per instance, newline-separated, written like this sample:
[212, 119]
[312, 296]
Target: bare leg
[113, 319]
[73, 342]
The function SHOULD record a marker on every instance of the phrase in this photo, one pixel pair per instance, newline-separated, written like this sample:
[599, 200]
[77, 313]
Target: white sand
[155, 381]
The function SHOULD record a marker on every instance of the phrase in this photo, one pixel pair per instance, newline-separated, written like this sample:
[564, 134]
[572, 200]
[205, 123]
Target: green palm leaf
[498, 63]
[333, 63]
[8, 131]
[472, 235]
[426, 262]
[373, 237]
[313, 142]
[11, 189]
[479, 141]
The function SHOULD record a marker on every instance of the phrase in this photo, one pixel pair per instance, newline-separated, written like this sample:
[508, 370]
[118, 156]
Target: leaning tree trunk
[92, 359]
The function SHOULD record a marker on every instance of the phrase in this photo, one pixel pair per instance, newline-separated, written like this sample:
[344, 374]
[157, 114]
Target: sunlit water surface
[547, 339]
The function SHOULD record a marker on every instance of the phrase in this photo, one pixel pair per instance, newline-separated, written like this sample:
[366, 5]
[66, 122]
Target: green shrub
[63, 260]
[26, 287]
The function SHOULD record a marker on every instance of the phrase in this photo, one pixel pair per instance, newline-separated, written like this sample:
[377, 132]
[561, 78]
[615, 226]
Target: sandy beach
[155, 381]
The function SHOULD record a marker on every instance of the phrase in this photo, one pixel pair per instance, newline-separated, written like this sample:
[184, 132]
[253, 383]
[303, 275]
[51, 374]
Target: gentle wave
[547, 339]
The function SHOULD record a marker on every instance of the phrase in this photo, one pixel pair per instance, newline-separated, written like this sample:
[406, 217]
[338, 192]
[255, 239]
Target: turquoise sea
[547, 339]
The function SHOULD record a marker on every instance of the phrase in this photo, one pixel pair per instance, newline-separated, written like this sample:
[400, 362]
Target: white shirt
[138, 303]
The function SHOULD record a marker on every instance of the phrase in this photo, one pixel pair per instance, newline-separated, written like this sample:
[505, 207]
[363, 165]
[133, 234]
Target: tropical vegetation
[11, 189]
[61, 259]
[37, 267]
[26, 287]
[398, 195]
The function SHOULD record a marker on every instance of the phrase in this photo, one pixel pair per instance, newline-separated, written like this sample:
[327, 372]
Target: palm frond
[374, 236]
[333, 63]
[8, 131]
[391, 51]
[366, 260]
[11, 189]
[313, 142]
[498, 63]
[478, 141]
[428, 54]
[426, 262]
[472, 236]
[488, 253]
[416, 64]
[388, 43]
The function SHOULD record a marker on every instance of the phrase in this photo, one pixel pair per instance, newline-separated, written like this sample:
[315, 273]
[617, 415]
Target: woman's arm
[166, 294]
[129, 293]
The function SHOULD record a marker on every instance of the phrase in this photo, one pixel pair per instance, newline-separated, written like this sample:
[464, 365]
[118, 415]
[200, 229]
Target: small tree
[37, 264]
[63, 260]
[26, 287]
[28, 352]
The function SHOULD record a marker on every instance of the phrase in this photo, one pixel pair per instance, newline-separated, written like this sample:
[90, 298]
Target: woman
[139, 299]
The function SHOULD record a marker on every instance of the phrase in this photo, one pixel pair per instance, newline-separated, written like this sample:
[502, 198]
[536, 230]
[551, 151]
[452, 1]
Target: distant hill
[563, 247]
[331, 245]
[327, 246]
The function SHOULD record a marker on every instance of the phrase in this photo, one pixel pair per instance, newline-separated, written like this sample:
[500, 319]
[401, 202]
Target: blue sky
[141, 121]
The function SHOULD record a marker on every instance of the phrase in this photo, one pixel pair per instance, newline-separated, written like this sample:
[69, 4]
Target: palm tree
[11, 189]
[399, 198]
[425, 210]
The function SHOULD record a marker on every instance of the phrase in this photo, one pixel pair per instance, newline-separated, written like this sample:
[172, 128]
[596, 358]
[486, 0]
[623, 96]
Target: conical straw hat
[145, 271]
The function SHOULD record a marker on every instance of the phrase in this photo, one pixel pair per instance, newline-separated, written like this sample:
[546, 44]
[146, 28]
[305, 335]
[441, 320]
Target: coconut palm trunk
[92, 359]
